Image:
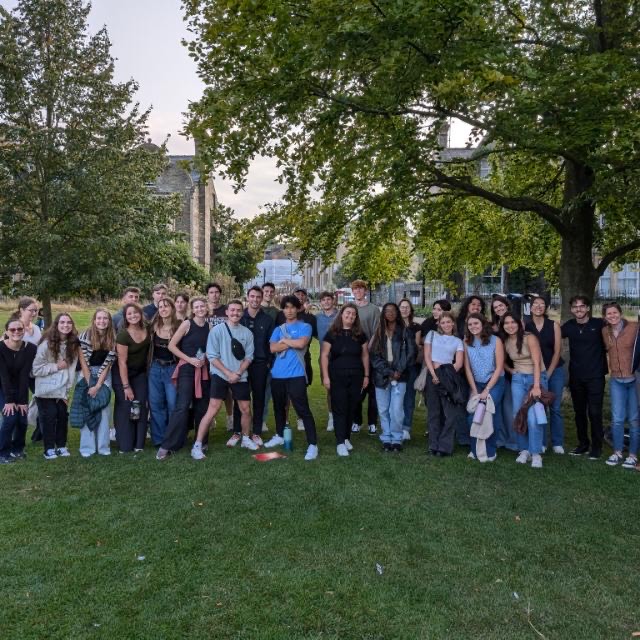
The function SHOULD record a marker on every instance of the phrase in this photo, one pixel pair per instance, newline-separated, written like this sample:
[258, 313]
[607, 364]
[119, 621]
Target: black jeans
[442, 418]
[258, 373]
[54, 417]
[587, 397]
[345, 392]
[296, 390]
[372, 407]
[130, 434]
[181, 419]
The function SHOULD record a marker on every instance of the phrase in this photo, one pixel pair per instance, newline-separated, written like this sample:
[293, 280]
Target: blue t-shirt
[287, 363]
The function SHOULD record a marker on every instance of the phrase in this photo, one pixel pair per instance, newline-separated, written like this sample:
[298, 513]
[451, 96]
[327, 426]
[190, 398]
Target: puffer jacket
[403, 347]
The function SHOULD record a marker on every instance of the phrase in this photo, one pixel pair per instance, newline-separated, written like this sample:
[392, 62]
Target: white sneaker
[342, 451]
[559, 450]
[50, 454]
[330, 422]
[471, 455]
[524, 457]
[492, 458]
[233, 440]
[544, 450]
[229, 423]
[196, 452]
[257, 439]
[312, 452]
[355, 428]
[406, 434]
[372, 429]
[112, 434]
[276, 441]
[347, 443]
[300, 425]
[265, 427]
[248, 443]
[536, 461]
[63, 452]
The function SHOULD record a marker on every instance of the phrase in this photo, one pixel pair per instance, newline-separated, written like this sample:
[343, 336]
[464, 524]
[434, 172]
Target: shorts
[219, 387]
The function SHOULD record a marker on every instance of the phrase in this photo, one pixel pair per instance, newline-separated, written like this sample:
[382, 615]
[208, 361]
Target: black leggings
[296, 390]
[130, 434]
[345, 392]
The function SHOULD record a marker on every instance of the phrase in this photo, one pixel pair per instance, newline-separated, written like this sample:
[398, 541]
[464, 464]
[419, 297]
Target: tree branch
[613, 255]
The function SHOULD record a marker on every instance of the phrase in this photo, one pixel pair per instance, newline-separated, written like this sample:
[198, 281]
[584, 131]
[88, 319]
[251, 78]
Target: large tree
[350, 96]
[77, 216]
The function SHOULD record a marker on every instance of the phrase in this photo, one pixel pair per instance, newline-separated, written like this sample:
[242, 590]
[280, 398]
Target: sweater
[15, 367]
[52, 382]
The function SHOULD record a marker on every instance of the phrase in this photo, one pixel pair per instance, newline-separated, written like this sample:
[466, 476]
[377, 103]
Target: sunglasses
[15, 330]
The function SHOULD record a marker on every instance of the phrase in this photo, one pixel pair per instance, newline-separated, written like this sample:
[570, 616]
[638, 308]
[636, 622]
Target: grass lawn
[128, 547]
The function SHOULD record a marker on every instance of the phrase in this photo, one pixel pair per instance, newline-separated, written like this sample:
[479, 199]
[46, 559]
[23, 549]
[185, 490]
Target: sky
[146, 40]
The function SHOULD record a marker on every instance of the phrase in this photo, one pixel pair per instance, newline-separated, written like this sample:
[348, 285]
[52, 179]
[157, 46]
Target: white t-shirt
[443, 348]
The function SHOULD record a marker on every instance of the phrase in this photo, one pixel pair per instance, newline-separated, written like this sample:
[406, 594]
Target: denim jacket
[403, 346]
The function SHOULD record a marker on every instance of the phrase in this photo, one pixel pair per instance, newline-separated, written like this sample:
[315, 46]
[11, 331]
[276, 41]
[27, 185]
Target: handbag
[421, 380]
[32, 412]
[236, 346]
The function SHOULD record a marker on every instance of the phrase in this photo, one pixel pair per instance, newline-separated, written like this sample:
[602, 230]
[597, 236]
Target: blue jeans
[13, 430]
[162, 399]
[390, 403]
[496, 394]
[624, 406]
[410, 398]
[520, 385]
[556, 384]
[506, 434]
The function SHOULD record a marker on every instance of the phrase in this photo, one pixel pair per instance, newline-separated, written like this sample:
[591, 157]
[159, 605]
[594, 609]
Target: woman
[98, 347]
[499, 306]
[431, 323]
[393, 351]
[471, 304]
[130, 380]
[16, 359]
[528, 378]
[484, 369]
[442, 348]
[344, 359]
[189, 345]
[549, 336]
[182, 306]
[413, 329]
[162, 391]
[619, 337]
[28, 314]
[54, 369]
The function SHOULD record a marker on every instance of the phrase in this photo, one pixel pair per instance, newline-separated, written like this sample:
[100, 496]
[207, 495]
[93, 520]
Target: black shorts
[219, 387]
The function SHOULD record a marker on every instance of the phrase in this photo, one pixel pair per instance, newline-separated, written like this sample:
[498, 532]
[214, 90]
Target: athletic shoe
[372, 429]
[536, 461]
[276, 441]
[63, 452]
[492, 458]
[196, 451]
[406, 434]
[630, 463]
[342, 451]
[229, 423]
[50, 454]
[10, 460]
[312, 452]
[347, 443]
[112, 434]
[233, 440]
[265, 427]
[257, 439]
[248, 443]
[386, 446]
[580, 450]
[471, 455]
[300, 425]
[559, 450]
[544, 450]
[330, 422]
[614, 459]
[138, 450]
[162, 454]
[595, 454]
[355, 428]
[524, 457]
[19, 455]
[396, 448]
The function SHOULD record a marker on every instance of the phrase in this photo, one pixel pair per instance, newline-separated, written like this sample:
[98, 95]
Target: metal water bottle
[478, 415]
[538, 410]
[134, 413]
[288, 438]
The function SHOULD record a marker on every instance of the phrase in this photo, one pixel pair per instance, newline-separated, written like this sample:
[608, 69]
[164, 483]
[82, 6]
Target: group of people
[489, 381]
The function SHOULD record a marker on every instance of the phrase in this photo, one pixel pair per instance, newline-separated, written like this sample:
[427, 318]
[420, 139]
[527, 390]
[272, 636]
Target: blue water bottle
[539, 412]
[288, 438]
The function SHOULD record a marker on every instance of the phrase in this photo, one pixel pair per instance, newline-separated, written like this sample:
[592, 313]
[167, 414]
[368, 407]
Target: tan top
[522, 362]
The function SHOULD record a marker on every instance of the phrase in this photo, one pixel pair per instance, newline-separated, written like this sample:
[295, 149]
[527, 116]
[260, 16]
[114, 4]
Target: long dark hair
[336, 326]
[464, 307]
[411, 312]
[138, 308]
[504, 335]
[381, 331]
[495, 319]
[157, 321]
[54, 339]
[485, 334]
[101, 341]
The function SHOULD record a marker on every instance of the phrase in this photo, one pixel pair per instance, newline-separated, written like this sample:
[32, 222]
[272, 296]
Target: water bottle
[478, 415]
[288, 438]
[394, 383]
[539, 412]
[134, 412]
[200, 354]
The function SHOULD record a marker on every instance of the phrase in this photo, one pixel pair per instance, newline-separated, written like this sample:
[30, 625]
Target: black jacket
[262, 327]
[403, 346]
[451, 385]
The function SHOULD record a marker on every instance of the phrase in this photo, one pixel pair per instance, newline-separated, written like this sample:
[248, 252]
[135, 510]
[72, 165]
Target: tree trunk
[577, 273]
[46, 308]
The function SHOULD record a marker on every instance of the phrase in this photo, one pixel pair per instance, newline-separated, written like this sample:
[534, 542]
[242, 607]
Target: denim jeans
[410, 398]
[624, 406]
[13, 431]
[97, 441]
[506, 434]
[496, 393]
[390, 402]
[162, 399]
[556, 384]
[520, 385]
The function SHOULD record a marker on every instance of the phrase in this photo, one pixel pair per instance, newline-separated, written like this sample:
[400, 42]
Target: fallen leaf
[379, 568]
[635, 634]
[218, 604]
[517, 518]
[98, 543]
[329, 593]
[141, 558]
[498, 580]
[515, 595]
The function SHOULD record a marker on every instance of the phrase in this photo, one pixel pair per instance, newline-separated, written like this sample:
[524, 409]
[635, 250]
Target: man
[369, 316]
[130, 295]
[289, 342]
[261, 326]
[587, 370]
[324, 320]
[310, 319]
[228, 373]
[268, 300]
[159, 293]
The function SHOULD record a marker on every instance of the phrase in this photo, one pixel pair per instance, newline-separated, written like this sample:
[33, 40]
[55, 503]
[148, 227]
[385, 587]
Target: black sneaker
[397, 448]
[580, 450]
[6, 460]
[386, 446]
[595, 454]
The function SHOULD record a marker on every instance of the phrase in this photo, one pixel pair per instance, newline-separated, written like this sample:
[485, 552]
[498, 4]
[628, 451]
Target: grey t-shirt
[369, 316]
[219, 347]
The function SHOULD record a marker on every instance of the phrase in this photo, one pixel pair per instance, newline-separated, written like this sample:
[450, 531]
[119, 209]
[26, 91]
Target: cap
[301, 289]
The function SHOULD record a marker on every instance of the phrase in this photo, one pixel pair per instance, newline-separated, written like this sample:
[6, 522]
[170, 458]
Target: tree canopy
[350, 97]
[77, 216]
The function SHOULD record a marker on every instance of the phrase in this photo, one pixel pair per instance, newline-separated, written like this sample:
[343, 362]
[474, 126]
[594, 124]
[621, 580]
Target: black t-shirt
[587, 355]
[98, 356]
[346, 351]
[218, 316]
[546, 338]
[429, 324]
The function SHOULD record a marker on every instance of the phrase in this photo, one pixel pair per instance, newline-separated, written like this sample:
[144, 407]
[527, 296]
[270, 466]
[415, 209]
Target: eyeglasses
[15, 330]
[31, 310]
[579, 306]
